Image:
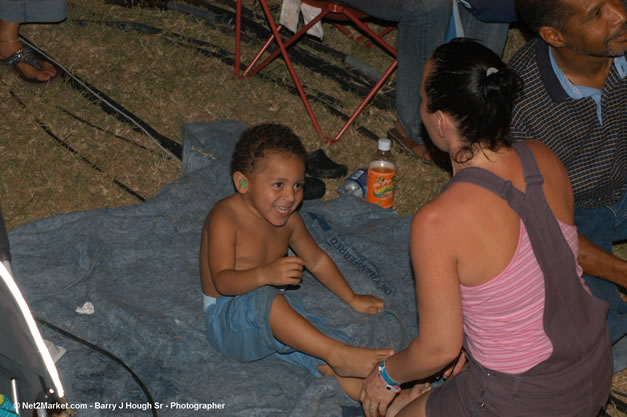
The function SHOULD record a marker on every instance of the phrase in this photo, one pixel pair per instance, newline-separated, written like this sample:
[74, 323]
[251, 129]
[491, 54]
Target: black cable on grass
[110, 106]
[100, 129]
[108, 354]
[65, 145]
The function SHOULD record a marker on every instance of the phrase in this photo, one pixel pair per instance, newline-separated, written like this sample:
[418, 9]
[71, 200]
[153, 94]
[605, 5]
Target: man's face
[597, 27]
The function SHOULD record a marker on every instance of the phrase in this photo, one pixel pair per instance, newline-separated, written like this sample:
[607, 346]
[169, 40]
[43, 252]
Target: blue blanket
[138, 266]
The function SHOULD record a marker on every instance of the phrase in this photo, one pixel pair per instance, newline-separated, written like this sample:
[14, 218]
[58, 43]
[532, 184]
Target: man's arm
[597, 262]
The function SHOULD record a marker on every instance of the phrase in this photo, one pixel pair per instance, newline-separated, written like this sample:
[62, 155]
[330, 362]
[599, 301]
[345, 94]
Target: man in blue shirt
[575, 101]
[422, 27]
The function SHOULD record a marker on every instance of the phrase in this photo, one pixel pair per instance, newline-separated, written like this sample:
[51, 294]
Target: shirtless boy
[244, 262]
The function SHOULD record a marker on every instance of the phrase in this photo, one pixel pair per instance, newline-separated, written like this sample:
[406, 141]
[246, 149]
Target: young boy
[243, 259]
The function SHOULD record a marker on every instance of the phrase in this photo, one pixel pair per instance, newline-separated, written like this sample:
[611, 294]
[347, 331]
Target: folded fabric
[290, 14]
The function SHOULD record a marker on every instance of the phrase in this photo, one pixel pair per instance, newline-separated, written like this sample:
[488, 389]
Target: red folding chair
[330, 10]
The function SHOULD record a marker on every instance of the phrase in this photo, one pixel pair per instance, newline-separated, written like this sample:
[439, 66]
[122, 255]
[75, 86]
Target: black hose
[65, 145]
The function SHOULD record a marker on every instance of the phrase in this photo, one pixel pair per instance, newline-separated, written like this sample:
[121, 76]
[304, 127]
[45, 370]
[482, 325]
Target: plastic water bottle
[355, 184]
[381, 175]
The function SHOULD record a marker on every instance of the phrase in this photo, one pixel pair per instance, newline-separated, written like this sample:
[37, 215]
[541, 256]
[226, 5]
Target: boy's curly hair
[258, 141]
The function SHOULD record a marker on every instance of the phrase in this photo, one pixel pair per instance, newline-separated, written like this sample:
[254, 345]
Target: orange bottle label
[381, 186]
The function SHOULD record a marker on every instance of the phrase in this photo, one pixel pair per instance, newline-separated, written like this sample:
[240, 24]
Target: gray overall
[575, 380]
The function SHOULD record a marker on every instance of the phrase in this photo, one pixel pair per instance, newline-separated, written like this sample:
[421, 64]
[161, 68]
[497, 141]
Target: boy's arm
[326, 271]
[221, 234]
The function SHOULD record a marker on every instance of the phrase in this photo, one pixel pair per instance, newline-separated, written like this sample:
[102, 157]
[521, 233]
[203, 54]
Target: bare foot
[351, 361]
[422, 152]
[405, 397]
[351, 386]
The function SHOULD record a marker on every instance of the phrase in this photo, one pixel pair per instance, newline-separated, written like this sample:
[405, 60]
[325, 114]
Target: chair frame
[328, 9]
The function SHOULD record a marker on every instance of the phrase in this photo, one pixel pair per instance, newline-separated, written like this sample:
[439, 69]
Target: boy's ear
[240, 181]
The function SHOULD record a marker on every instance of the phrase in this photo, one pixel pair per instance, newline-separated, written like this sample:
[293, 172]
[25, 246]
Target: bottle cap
[384, 144]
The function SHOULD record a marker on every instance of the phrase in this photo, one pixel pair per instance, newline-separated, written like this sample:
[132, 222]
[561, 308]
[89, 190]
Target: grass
[168, 82]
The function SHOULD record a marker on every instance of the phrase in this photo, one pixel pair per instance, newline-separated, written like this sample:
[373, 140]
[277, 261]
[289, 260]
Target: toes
[48, 68]
[31, 73]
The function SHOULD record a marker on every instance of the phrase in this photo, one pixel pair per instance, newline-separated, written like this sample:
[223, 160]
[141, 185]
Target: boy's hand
[368, 304]
[284, 271]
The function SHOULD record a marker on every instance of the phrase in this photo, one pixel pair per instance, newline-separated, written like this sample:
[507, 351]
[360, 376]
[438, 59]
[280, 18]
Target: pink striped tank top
[503, 316]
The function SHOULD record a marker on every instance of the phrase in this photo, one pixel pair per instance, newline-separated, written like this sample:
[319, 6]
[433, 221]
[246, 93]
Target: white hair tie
[491, 71]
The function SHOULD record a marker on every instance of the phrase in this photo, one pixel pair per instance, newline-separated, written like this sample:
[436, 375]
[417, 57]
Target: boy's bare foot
[405, 397]
[351, 361]
[351, 386]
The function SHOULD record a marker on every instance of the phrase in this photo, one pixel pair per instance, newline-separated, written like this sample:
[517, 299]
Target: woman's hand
[374, 397]
[368, 304]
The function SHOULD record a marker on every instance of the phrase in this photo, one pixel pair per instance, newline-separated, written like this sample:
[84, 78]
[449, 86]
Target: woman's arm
[440, 331]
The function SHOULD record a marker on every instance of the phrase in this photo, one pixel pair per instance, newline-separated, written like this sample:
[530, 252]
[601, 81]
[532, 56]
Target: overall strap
[533, 177]
[502, 188]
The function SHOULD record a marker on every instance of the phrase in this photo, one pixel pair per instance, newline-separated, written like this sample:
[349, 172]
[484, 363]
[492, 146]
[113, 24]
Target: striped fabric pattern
[595, 155]
[503, 316]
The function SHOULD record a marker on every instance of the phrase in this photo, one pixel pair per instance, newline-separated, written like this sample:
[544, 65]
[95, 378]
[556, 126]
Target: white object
[87, 308]
[56, 351]
[291, 11]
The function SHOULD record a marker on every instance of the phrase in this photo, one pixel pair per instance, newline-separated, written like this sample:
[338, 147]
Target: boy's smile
[276, 189]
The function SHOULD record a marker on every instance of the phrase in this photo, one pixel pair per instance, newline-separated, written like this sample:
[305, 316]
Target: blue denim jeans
[26, 11]
[239, 327]
[605, 226]
[422, 27]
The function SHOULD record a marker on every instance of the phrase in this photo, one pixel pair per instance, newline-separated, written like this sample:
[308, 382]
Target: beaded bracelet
[385, 379]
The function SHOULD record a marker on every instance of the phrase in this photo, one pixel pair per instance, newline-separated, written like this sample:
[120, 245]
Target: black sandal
[26, 55]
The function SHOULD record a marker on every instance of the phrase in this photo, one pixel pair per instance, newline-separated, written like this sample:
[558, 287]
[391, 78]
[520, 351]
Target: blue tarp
[138, 266]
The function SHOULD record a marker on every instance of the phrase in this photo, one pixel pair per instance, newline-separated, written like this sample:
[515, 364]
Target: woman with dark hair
[495, 263]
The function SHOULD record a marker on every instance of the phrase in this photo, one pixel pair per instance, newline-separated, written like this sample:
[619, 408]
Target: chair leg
[238, 28]
[290, 68]
[371, 33]
[259, 54]
[363, 104]
[253, 68]
[287, 44]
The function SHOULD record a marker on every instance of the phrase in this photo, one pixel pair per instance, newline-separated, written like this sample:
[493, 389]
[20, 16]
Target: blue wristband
[389, 381]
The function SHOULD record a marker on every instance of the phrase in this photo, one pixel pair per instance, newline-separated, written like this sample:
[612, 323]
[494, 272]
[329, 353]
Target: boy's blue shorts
[239, 326]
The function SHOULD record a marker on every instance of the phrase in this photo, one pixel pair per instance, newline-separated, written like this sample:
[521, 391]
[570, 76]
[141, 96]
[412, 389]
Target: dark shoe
[319, 165]
[27, 56]
[409, 145]
[314, 188]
